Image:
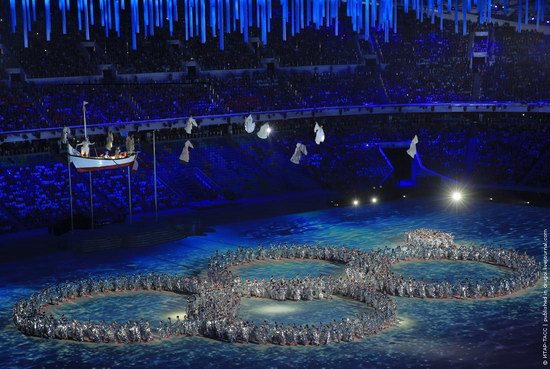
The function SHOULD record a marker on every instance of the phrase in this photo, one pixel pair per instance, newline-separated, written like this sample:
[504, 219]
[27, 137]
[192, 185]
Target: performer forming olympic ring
[214, 300]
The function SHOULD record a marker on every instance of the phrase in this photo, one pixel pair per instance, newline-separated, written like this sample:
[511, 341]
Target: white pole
[84, 114]
[129, 195]
[70, 193]
[155, 175]
[91, 200]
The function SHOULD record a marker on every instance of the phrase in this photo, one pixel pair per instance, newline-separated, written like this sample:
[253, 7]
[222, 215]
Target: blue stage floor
[496, 333]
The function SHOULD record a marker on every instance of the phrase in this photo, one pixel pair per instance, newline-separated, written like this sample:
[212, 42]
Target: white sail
[249, 125]
[412, 148]
[264, 131]
[191, 122]
[298, 152]
[184, 156]
[71, 150]
[319, 134]
[65, 136]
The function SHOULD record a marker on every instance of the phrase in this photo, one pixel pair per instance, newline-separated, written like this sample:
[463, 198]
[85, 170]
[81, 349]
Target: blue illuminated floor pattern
[124, 306]
[492, 333]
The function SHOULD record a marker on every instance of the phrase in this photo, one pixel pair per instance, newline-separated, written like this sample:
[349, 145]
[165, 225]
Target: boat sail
[86, 163]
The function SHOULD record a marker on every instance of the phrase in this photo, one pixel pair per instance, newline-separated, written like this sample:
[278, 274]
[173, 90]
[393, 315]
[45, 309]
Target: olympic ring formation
[214, 300]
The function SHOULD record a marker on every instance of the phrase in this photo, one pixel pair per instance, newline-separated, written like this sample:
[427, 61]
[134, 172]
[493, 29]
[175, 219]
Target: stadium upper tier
[419, 63]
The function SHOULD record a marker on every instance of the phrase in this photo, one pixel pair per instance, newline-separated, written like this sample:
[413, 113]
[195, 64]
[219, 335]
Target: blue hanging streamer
[13, 15]
[367, 16]
[224, 14]
[203, 22]
[25, 29]
[227, 17]
[133, 10]
[440, 11]
[86, 20]
[79, 17]
[147, 13]
[220, 24]
[464, 13]
[456, 16]
[34, 10]
[117, 17]
[196, 8]
[48, 19]
[186, 19]
[151, 21]
[92, 22]
[519, 16]
[169, 16]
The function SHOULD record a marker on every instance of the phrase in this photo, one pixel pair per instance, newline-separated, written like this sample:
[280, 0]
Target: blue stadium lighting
[456, 196]
[221, 17]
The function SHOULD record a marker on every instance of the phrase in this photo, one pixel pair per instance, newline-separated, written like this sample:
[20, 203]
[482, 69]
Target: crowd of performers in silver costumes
[214, 299]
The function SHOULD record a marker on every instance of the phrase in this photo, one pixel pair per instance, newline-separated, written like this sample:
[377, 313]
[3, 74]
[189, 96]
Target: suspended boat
[93, 163]
[104, 162]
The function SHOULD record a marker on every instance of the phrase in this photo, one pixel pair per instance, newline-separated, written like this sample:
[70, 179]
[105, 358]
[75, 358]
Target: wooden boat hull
[91, 164]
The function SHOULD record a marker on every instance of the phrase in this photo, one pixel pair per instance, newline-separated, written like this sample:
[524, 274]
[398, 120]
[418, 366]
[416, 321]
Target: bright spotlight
[456, 196]
[355, 202]
[374, 200]
[268, 130]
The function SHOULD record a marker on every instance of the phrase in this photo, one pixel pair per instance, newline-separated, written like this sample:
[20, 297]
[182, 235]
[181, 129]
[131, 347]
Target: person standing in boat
[85, 150]
[110, 139]
[130, 147]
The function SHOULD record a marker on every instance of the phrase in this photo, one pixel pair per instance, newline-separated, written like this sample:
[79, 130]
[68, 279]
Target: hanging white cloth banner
[319, 134]
[185, 152]
[71, 150]
[264, 131]
[300, 149]
[191, 122]
[412, 148]
[66, 133]
[249, 125]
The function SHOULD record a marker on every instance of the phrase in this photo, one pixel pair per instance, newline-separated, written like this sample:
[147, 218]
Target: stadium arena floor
[501, 332]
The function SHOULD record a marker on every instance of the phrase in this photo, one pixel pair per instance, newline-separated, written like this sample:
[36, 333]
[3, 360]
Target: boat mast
[84, 103]
[155, 175]
[70, 193]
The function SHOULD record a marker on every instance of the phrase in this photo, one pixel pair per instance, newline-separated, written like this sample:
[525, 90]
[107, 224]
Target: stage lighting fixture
[374, 200]
[456, 196]
[355, 202]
